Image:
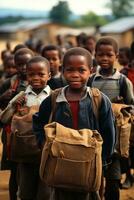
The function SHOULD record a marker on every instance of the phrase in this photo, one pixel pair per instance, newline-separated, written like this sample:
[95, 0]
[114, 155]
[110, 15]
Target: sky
[76, 6]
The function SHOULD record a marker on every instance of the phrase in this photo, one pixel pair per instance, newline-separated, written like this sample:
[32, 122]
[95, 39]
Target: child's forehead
[52, 52]
[104, 47]
[38, 66]
[10, 61]
[75, 58]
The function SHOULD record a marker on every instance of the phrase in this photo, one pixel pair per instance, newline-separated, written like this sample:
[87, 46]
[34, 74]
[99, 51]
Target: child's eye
[69, 69]
[41, 75]
[82, 70]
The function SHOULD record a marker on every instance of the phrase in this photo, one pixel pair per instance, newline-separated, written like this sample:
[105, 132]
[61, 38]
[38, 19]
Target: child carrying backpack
[30, 185]
[74, 109]
[9, 88]
[119, 90]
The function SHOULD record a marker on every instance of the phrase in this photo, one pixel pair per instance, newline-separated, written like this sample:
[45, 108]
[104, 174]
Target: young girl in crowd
[74, 109]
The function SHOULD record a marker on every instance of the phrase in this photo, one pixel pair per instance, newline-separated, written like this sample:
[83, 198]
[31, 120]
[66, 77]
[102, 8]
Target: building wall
[123, 39]
[127, 38]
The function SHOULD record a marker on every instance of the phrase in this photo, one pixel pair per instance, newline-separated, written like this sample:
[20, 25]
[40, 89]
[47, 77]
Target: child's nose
[75, 74]
[105, 57]
[35, 76]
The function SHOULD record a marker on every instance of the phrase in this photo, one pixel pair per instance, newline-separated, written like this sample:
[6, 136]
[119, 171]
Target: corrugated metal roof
[23, 25]
[118, 26]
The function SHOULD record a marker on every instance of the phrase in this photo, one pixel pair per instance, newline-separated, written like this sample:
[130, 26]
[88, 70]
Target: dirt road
[4, 177]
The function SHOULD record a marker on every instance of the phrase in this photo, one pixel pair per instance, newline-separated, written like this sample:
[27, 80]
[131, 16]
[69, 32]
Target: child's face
[53, 57]
[10, 68]
[76, 71]
[105, 56]
[21, 64]
[90, 45]
[38, 75]
[123, 59]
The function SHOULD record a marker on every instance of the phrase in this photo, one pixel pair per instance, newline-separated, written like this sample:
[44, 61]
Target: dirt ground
[4, 177]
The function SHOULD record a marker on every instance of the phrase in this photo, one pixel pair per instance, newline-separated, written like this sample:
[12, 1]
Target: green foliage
[10, 19]
[13, 19]
[121, 8]
[60, 13]
[90, 19]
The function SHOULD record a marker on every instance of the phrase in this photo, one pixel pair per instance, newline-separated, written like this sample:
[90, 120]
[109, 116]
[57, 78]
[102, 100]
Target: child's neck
[57, 75]
[75, 95]
[107, 72]
[37, 91]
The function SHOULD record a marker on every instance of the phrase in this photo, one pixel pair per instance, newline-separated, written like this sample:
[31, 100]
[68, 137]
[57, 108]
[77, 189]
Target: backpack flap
[70, 159]
[24, 146]
[123, 128]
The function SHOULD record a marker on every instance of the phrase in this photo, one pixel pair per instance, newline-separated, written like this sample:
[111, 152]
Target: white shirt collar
[61, 96]
[29, 90]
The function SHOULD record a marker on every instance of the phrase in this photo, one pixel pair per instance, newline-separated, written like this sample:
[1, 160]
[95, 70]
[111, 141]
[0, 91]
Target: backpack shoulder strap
[122, 83]
[54, 95]
[91, 80]
[96, 100]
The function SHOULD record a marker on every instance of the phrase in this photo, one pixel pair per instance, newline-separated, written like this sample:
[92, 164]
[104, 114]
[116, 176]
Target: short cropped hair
[90, 37]
[6, 61]
[126, 50]
[39, 59]
[107, 41]
[51, 48]
[21, 52]
[18, 46]
[78, 51]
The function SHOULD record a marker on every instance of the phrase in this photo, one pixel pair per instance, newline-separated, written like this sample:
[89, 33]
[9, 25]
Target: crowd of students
[90, 64]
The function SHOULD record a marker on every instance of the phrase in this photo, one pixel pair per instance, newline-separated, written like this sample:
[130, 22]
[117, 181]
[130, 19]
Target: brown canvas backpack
[71, 159]
[123, 122]
[24, 145]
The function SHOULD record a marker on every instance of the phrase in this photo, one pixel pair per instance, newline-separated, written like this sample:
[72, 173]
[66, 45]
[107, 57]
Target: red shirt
[74, 105]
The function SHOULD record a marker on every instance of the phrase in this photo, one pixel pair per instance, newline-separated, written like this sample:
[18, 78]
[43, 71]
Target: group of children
[38, 75]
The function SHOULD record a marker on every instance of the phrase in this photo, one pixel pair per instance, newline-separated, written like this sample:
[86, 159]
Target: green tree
[121, 8]
[90, 19]
[60, 13]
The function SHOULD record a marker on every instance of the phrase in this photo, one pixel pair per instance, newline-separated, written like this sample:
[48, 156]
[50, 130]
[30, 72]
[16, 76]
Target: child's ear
[49, 76]
[117, 55]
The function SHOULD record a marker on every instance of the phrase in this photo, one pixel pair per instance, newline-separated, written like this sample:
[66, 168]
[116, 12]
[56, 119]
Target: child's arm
[40, 119]
[107, 128]
[126, 91]
[7, 113]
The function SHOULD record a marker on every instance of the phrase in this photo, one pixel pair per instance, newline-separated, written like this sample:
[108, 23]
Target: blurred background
[53, 21]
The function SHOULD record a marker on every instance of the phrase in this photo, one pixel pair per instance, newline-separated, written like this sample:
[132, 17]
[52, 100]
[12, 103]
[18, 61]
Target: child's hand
[8, 94]
[20, 101]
